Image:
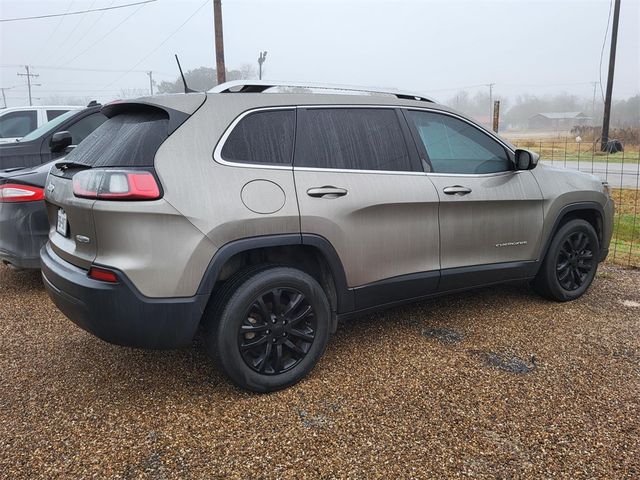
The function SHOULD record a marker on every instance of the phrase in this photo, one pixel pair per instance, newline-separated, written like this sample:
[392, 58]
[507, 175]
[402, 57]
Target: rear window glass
[262, 137]
[352, 138]
[130, 139]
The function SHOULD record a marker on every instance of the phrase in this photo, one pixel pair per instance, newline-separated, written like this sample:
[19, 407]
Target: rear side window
[51, 114]
[18, 124]
[262, 137]
[352, 138]
[129, 139]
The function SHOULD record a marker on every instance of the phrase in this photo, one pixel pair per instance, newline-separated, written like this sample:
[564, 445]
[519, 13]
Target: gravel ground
[496, 383]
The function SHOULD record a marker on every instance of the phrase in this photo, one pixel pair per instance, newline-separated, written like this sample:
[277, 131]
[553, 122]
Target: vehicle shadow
[190, 372]
[106, 369]
[19, 281]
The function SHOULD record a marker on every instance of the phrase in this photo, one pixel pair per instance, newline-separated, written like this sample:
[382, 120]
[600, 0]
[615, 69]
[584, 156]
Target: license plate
[61, 226]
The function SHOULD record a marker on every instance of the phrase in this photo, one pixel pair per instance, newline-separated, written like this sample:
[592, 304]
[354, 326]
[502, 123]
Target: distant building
[558, 120]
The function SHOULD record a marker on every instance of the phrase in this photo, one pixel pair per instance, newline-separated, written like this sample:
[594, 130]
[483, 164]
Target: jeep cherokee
[266, 217]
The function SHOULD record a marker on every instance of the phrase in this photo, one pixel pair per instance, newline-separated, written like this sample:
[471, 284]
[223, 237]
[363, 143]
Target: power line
[104, 36]
[160, 45]
[457, 88]
[79, 41]
[604, 141]
[76, 13]
[70, 34]
[78, 69]
[54, 30]
[604, 42]
[544, 84]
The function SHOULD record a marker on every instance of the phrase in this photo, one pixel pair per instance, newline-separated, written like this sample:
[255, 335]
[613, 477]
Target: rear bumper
[118, 313]
[23, 231]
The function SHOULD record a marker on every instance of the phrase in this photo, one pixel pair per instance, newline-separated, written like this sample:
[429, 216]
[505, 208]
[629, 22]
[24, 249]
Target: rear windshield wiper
[67, 165]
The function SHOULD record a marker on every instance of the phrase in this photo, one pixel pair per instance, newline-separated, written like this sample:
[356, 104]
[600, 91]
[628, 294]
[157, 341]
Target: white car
[16, 122]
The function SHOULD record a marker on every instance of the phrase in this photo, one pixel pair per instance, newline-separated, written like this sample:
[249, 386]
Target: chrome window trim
[217, 153]
[466, 120]
[348, 170]
[490, 134]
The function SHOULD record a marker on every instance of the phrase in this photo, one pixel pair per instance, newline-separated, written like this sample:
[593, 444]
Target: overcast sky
[433, 47]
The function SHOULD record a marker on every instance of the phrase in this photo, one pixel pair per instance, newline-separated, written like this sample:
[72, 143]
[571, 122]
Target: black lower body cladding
[23, 231]
[117, 312]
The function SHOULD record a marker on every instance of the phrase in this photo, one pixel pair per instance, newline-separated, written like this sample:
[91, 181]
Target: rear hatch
[115, 164]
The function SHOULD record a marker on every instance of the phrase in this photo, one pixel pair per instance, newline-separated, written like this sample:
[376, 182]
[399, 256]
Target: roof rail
[259, 86]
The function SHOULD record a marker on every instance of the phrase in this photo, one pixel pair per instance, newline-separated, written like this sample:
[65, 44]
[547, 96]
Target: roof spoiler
[176, 117]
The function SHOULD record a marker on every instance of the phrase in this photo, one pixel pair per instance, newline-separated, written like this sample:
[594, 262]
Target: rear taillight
[13, 192]
[103, 275]
[107, 184]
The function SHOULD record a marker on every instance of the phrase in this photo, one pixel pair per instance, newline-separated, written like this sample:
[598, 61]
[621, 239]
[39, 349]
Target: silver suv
[267, 217]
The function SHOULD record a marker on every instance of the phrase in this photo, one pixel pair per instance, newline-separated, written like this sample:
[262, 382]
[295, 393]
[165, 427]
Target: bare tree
[204, 78]
[133, 92]
[55, 99]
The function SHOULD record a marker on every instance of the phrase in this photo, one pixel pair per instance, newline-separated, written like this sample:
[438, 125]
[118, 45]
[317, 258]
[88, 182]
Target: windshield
[47, 127]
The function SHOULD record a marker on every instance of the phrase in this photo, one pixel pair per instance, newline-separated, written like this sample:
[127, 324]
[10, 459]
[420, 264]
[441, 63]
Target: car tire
[571, 262]
[268, 327]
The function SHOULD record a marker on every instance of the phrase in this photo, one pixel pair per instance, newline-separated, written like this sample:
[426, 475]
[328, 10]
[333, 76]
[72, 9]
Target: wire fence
[621, 170]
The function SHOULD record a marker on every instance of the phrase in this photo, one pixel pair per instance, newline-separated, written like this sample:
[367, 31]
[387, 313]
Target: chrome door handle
[456, 190]
[327, 191]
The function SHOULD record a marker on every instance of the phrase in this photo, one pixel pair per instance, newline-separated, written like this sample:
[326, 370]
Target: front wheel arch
[591, 212]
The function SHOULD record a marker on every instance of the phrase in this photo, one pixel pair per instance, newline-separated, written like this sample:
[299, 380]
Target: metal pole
[593, 105]
[261, 58]
[217, 22]
[4, 99]
[612, 63]
[150, 73]
[28, 75]
[496, 115]
[491, 100]
[29, 83]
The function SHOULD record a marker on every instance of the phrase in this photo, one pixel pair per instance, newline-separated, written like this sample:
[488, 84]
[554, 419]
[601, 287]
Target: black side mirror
[60, 141]
[526, 159]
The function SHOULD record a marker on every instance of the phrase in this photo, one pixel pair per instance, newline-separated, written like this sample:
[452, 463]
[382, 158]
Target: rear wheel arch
[311, 254]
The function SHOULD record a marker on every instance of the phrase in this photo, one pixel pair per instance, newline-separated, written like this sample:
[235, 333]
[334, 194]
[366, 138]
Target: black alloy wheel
[277, 331]
[575, 261]
[570, 265]
[268, 326]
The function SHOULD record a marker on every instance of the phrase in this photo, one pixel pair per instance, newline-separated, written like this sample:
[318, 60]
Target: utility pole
[217, 24]
[496, 115]
[490, 85]
[28, 75]
[261, 59]
[150, 73]
[4, 98]
[612, 63]
[593, 105]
